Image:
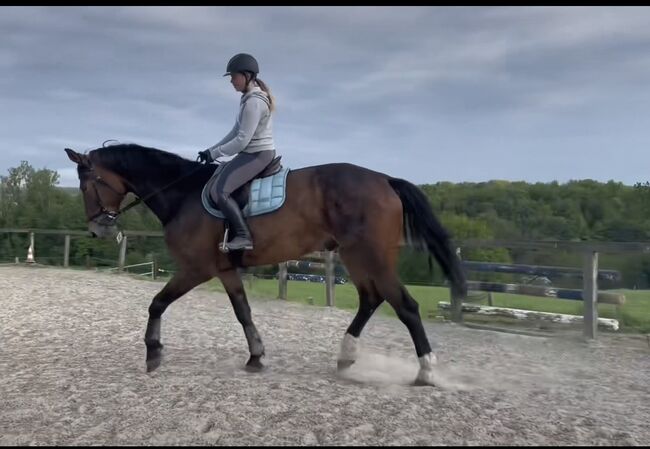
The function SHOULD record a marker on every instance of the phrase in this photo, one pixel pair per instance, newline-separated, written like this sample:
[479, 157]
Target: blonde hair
[266, 89]
[250, 76]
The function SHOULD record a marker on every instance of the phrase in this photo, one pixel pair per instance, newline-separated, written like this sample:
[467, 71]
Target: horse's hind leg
[368, 303]
[235, 289]
[180, 284]
[407, 309]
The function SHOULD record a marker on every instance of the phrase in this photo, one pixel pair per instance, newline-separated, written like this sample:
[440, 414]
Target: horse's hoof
[424, 379]
[152, 364]
[154, 358]
[343, 364]
[254, 365]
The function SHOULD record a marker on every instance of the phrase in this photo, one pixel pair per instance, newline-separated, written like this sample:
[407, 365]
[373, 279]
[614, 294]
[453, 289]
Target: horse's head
[103, 192]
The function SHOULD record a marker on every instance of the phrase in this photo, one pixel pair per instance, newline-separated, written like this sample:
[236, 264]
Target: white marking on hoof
[349, 349]
[427, 361]
[425, 375]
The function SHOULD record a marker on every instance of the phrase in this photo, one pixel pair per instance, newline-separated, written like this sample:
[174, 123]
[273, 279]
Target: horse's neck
[165, 197]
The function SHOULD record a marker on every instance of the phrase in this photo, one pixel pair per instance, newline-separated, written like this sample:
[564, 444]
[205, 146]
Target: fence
[589, 273]
[535, 290]
[590, 318]
[120, 262]
[153, 273]
[328, 260]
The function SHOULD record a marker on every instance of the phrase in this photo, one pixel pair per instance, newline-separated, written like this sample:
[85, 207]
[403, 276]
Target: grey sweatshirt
[253, 130]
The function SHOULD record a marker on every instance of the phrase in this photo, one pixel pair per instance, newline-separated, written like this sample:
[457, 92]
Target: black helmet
[242, 62]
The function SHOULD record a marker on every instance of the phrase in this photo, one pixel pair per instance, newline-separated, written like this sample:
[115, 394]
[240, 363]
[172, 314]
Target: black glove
[205, 156]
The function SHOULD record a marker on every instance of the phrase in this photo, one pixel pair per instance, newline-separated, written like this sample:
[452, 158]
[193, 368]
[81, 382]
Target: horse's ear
[76, 157]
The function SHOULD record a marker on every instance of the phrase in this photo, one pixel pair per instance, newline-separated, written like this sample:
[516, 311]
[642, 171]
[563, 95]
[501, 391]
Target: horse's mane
[156, 166]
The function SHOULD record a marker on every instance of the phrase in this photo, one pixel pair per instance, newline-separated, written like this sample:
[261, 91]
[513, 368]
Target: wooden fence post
[66, 252]
[122, 259]
[154, 267]
[329, 278]
[456, 303]
[282, 280]
[590, 294]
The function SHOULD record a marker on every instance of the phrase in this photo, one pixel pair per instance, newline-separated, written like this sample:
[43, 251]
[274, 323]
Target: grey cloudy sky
[423, 93]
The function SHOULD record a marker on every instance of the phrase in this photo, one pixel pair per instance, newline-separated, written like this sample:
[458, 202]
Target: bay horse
[363, 214]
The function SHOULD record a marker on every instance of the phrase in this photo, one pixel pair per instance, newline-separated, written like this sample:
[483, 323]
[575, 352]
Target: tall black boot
[231, 210]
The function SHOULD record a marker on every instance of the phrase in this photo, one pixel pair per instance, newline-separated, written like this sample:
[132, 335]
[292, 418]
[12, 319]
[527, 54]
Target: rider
[251, 139]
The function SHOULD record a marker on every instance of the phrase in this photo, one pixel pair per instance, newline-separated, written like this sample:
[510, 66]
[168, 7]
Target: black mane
[153, 167]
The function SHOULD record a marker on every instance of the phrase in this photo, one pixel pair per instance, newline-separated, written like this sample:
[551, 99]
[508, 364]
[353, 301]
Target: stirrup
[247, 245]
[223, 246]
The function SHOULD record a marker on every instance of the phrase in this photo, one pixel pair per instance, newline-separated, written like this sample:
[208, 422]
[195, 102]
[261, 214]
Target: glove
[205, 156]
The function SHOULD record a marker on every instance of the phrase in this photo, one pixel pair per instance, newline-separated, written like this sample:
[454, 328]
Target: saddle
[262, 194]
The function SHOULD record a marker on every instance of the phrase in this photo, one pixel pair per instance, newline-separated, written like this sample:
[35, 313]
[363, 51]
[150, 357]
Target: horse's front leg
[235, 289]
[180, 284]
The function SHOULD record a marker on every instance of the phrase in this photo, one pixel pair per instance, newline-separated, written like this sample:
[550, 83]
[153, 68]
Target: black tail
[423, 231]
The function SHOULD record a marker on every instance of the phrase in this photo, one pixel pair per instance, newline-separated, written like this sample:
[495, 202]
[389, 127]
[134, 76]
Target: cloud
[424, 93]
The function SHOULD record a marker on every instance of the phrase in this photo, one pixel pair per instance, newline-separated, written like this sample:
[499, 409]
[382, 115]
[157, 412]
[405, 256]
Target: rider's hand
[205, 156]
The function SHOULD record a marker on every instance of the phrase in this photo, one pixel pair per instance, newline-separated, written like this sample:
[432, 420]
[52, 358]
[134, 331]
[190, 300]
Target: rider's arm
[250, 118]
[232, 133]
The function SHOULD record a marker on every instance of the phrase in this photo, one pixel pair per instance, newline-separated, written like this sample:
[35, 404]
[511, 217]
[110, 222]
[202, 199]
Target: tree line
[583, 210]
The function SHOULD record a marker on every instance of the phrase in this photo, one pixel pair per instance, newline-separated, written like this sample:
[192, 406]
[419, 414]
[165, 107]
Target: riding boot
[233, 213]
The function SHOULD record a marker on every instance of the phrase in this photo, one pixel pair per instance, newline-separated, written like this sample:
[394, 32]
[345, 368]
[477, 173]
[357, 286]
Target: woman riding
[251, 139]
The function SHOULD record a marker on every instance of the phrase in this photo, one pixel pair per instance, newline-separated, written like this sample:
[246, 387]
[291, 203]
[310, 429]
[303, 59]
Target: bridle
[104, 216]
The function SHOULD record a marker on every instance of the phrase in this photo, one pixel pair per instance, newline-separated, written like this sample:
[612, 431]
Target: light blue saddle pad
[266, 195]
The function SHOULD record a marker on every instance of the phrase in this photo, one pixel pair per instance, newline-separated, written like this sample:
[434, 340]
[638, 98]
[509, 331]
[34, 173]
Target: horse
[363, 214]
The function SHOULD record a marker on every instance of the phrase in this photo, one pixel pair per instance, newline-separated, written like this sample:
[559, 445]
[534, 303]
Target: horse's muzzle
[102, 231]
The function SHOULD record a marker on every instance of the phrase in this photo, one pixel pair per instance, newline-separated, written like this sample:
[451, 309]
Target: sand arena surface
[72, 372]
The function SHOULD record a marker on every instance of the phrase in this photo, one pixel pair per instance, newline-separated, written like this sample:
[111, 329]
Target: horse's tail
[423, 231]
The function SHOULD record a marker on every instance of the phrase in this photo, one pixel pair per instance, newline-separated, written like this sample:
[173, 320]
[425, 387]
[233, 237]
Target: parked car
[537, 280]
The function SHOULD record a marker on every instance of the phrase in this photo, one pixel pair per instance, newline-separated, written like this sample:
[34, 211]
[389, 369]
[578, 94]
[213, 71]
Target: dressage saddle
[242, 194]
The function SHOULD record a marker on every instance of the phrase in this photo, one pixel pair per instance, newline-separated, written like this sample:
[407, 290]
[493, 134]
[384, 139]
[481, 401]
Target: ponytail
[266, 89]
[250, 76]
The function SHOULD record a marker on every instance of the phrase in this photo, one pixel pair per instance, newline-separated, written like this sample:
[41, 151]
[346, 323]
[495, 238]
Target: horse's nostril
[93, 235]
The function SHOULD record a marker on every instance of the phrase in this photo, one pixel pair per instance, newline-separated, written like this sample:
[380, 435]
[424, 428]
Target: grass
[633, 316]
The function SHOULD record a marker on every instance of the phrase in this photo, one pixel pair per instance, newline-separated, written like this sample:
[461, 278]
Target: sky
[427, 94]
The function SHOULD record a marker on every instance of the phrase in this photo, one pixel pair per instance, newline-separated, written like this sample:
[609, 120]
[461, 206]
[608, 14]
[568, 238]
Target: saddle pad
[266, 195]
